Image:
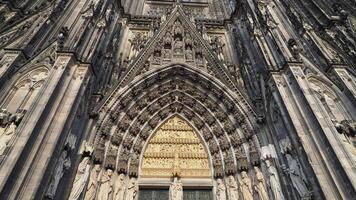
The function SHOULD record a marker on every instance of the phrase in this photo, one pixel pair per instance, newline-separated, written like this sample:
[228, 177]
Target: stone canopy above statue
[175, 150]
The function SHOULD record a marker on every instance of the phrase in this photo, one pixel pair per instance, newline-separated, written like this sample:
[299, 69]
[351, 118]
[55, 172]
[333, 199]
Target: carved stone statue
[233, 189]
[218, 47]
[106, 186]
[5, 138]
[167, 53]
[246, 186]
[178, 28]
[274, 182]
[296, 176]
[93, 182]
[62, 165]
[178, 46]
[137, 43]
[132, 189]
[260, 185]
[189, 54]
[176, 190]
[80, 179]
[220, 190]
[119, 187]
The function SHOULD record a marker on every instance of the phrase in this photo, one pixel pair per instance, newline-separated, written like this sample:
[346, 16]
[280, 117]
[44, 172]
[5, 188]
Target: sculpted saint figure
[93, 182]
[120, 187]
[220, 190]
[296, 176]
[106, 186]
[6, 137]
[261, 185]
[80, 179]
[246, 186]
[176, 190]
[274, 183]
[132, 189]
[233, 189]
[62, 165]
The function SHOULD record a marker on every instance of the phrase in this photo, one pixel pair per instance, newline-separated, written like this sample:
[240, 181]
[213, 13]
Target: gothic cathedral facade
[177, 99]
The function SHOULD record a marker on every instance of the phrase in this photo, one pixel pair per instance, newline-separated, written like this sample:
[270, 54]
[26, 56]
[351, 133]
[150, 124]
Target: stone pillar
[42, 133]
[299, 119]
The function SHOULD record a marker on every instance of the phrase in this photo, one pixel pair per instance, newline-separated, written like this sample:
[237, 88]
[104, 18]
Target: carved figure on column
[233, 189]
[296, 176]
[178, 29]
[176, 190]
[220, 190]
[178, 46]
[119, 187]
[260, 185]
[5, 138]
[189, 54]
[274, 182]
[62, 165]
[132, 189]
[106, 186]
[80, 179]
[218, 47]
[246, 186]
[93, 183]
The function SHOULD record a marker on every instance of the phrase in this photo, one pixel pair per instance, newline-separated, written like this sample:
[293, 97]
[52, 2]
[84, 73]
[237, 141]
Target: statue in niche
[176, 190]
[137, 43]
[132, 189]
[178, 46]
[119, 187]
[274, 182]
[297, 176]
[260, 185]
[233, 189]
[189, 54]
[218, 47]
[220, 190]
[93, 182]
[62, 165]
[168, 40]
[178, 28]
[80, 179]
[8, 133]
[167, 53]
[188, 40]
[246, 186]
[106, 186]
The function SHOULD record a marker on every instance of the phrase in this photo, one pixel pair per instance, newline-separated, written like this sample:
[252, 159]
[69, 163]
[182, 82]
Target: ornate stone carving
[210, 120]
[232, 188]
[198, 123]
[254, 154]
[176, 190]
[246, 186]
[242, 162]
[206, 134]
[80, 179]
[153, 108]
[175, 150]
[218, 167]
[124, 124]
[297, 177]
[106, 190]
[119, 187]
[111, 154]
[116, 139]
[62, 165]
[7, 133]
[224, 143]
[274, 182]
[99, 151]
[260, 184]
[132, 189]
[93, 183]
[134, 165]
[123, 160]
[220, 190]
[230, 168]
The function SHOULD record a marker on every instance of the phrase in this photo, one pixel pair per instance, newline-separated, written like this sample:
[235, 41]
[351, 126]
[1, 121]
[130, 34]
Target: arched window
[23, 92]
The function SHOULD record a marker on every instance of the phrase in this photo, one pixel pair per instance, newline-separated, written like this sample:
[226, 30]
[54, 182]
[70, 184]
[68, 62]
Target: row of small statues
[8, 124]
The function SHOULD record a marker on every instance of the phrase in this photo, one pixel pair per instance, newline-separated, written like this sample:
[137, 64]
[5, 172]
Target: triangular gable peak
[178, 41]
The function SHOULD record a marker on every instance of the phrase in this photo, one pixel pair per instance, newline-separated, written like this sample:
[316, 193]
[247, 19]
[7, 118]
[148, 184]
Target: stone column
[42, 132]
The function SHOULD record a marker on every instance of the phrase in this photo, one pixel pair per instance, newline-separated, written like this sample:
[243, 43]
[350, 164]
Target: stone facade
[262, 93]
